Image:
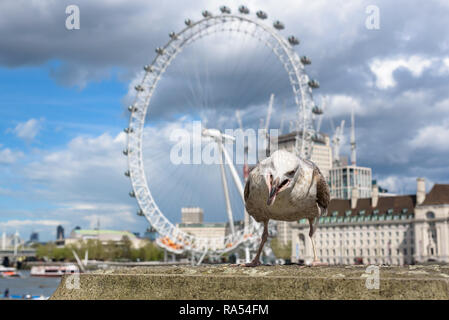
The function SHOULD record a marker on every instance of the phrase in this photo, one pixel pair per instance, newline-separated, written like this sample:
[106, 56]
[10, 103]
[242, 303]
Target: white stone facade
[371, 242]
[389, 230]
[432, 233]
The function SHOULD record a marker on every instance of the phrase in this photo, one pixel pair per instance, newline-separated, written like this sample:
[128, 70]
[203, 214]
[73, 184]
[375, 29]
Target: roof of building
[292, 136]
[389, 204]
[349, 166]
[202, 225]
[93, 232]
[385, 205]
[438, 195]
[389, 207]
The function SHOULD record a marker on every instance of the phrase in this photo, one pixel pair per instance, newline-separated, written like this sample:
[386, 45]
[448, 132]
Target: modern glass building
[343, 179]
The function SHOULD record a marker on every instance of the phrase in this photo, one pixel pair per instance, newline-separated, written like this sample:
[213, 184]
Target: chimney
[374, 195]
[420, 190]
[354, 197]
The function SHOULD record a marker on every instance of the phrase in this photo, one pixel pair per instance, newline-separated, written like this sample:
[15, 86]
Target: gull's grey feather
[307, 194]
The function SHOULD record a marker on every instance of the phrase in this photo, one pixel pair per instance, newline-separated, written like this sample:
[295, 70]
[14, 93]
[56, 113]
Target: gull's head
[280, 173]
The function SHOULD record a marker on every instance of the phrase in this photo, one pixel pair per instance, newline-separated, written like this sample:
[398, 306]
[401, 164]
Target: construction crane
[320, 117]
[353, 152]
[266, 124]
[270, 110]
[336, 143]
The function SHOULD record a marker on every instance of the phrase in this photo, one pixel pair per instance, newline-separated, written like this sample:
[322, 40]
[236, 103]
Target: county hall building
[396, 230]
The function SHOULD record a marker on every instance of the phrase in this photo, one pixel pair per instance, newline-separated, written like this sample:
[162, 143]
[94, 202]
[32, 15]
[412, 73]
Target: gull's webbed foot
[318, 263]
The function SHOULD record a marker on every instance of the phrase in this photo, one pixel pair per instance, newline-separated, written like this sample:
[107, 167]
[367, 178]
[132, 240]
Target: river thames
[27, 285]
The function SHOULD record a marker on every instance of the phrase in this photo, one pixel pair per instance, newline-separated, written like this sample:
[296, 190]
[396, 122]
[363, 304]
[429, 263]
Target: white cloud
[126, 218]
[78, 168]
[28, 130]
[446, 61]
[433, 136]
[341, 105]
[444, 68]
[84, 181]
[23, 223]
[7, 156]
[383, 69]
[399, 184]
[442, 106]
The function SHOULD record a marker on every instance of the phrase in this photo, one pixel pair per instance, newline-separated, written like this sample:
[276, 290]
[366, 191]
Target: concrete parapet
[224, 282]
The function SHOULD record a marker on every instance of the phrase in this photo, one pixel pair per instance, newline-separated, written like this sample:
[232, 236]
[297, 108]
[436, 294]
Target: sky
[64, 93]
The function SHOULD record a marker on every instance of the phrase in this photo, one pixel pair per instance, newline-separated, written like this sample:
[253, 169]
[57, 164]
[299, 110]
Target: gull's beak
[273, 192]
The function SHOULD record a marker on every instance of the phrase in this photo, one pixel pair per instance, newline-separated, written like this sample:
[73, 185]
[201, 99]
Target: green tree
[126, 248]
[96, 250]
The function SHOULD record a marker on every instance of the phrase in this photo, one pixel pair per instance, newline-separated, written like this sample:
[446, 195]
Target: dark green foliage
[110, 251]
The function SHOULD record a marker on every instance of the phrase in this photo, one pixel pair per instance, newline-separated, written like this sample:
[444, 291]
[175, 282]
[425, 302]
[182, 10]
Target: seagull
[286, 187]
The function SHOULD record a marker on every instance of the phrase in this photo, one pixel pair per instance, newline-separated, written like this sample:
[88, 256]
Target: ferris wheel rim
[141, 190]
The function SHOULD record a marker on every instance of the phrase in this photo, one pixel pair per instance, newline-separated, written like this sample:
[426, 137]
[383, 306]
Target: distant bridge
[20, 253]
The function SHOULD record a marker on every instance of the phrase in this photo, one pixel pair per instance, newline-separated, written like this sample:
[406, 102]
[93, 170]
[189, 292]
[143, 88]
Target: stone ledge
[223, 282]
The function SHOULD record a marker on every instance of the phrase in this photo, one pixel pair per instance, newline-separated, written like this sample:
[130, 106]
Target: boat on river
[53, 271]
